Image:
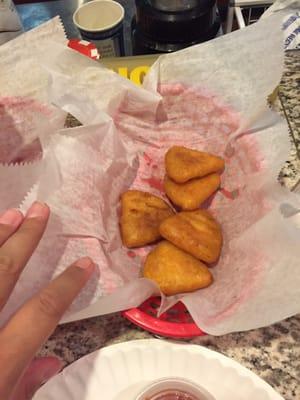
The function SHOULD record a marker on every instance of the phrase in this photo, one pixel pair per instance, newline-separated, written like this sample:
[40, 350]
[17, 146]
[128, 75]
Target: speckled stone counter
[273, 353]
[288, 101]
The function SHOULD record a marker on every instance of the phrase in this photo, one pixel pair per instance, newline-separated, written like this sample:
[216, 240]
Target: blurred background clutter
[148, 26]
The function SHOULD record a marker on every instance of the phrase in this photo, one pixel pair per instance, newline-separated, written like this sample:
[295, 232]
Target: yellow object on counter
[133, 68]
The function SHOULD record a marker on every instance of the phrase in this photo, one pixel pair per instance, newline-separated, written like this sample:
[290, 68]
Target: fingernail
[38, 210]
[84, 263]
[53, 368]
[11, 217]
[40, 371]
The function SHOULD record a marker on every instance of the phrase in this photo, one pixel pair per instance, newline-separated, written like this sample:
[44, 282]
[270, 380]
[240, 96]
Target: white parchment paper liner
[221, 85]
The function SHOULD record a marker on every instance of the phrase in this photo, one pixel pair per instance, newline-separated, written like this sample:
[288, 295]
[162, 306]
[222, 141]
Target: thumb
[39, 371]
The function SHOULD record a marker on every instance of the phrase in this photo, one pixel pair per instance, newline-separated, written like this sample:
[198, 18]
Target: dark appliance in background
[164, 26]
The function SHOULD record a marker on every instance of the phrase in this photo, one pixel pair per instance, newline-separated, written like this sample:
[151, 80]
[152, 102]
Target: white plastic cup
[101, 22]
[174, 384]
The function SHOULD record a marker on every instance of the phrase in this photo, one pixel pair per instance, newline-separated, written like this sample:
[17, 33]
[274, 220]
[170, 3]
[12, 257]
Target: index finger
[18, 248]
[30, 327]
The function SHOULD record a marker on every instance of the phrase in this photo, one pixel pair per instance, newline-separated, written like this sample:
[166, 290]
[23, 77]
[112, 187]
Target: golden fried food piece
[183, 164]
[175, 271]
[141, 216]
[190, 195]
[195, 232]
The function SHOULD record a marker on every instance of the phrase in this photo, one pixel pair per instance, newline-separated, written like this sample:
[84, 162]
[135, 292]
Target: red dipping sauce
[173, 395]
[174, 389]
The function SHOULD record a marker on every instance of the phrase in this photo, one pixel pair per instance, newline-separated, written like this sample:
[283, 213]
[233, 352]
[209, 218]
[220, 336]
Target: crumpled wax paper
[84, 211]
[211, 97]
[26, 117]
[70, 169]
[291, 22]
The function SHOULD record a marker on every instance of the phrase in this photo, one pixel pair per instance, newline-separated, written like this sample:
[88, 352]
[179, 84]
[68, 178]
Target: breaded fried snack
[141, 216]
[183, 164]
[190, 195]
[175, 271]
[196, 232]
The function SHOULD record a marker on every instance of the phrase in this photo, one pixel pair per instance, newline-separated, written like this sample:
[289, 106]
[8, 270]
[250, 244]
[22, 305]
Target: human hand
[25, 332]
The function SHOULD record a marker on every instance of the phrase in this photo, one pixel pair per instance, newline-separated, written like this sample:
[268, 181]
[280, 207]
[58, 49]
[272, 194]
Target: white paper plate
[121, 371]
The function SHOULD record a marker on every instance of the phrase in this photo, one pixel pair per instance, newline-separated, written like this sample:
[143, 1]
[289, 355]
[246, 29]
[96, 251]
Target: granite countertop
[273, 353]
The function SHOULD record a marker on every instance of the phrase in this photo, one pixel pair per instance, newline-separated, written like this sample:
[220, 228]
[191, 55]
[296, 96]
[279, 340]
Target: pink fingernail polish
[11, 217]
[84, 263]
[38, 210]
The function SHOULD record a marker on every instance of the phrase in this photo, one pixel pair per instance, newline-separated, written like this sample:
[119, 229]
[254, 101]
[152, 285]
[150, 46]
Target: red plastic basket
[175, 323]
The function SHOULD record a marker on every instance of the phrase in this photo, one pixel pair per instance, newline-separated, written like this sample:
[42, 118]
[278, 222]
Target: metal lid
[175, 27]
[174, 5]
